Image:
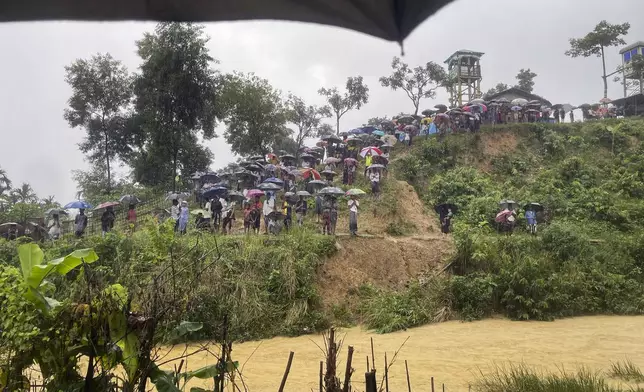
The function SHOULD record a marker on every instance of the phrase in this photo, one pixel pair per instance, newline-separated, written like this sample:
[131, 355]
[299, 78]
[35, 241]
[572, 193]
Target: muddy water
[454, 353]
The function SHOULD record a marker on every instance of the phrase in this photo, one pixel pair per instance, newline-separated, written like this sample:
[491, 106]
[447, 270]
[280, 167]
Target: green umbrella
[355, 192]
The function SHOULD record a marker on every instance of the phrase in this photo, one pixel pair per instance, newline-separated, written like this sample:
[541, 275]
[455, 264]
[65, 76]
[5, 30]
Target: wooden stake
[370, 382]
[407, 371]
[386, 374]
[373, 357]
[348, 371]
[443, 387]
[432, 384]
[321, 376]
[286, 371]
[368, 369]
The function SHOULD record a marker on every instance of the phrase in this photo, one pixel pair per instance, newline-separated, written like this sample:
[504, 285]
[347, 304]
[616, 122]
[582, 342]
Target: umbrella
[534, 102]
[331, 139]
[605, 100]
[355, 131]
[306, 173]
[503, 100]
[274, 180]
[328, 173]
[199, 211]
[470, 115]
[129, 199]
[78, 204]
[321, 143]
[306, 156]
[428, 112]
[317, 183]
[410, 128]
[441, 107]
[107, 204]
[508, 204]
[386, 147]
[350, 161]
[210, 176]
[501, 216]
[355, 192]
[254, 193]
[332, 160]
[303, 194]
[568, 107]
[287, 157]
[331, 191]
[378, 133]
[405, 119]
[269, 186]
[557, 106]
[477, 101]
[176, 196]
[235, 195]
[55, 211]
[532, 111]
[371, 151]
[467, 108]
[256, 158]
[353, 140]
[389, 139]
[270, 167]
[442, 115]
[289, 195]
[516, 108]
[376, 166]
[215, 191]
[519, 102]
[6, 226]
[441, 209]
[533, 206]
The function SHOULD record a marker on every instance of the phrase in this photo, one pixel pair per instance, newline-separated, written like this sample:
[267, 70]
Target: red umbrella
[107, 204]
[371, 150]
[350, 161]
[306, 173]
[502, 216]
[321, 143]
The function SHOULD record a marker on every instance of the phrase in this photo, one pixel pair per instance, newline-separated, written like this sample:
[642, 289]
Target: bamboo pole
[432, 384]
[407, 371]
[373, 357]
[386, 374]
[321, 376]
[370, 382]
[368, 364]
[348, 371]
[286, 371]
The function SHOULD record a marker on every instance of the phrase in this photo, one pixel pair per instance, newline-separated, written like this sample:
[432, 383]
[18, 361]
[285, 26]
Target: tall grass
[626, 370]
[521, 378]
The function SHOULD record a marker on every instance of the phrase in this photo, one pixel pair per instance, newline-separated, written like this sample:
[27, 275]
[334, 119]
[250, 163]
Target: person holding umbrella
[80, 222]
[300, 210]
[183, 217]
[374, 177]
[54, 228]
[175, 210]
[353, 214]
[107, 220]
[131, 214]
[256, 212]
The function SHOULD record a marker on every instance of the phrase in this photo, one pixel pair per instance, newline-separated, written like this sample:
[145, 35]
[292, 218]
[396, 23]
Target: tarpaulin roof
[392, 20]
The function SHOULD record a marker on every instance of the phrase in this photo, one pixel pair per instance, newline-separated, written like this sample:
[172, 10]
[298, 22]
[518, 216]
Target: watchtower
[464, 70]
[633, 81]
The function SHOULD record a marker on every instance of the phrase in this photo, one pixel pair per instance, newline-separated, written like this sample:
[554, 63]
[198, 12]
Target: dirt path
[453, 352]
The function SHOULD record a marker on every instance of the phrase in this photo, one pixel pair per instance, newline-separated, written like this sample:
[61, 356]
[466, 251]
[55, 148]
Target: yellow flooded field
[454, 353]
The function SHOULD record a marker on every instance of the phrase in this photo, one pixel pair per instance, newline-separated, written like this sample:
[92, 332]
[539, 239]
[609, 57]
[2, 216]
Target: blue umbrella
[355, 131]
[216, 191]
[78, 204]
[378, 133]
[274, 180]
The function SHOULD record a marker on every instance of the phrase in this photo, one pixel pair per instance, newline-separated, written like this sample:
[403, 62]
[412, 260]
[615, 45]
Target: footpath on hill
[379, 258]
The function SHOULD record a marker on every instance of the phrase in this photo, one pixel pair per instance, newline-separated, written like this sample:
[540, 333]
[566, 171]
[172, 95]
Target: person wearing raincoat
[531, 217]
[183, 217]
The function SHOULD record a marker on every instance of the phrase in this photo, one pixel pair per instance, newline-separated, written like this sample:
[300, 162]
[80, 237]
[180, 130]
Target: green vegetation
[523, 379]
[587, 257]
[626, 371]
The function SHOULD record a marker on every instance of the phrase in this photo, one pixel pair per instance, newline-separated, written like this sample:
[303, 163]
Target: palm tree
[5, 182]
[24, 194]
[50, 202]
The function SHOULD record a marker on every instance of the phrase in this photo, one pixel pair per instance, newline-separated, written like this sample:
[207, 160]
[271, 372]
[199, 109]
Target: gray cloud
[38, 146]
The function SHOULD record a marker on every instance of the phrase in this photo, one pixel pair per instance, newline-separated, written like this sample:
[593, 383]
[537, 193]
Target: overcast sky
[39, 147]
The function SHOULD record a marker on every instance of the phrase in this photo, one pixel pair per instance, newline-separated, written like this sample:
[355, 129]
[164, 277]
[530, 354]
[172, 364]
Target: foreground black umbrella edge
[387, 19]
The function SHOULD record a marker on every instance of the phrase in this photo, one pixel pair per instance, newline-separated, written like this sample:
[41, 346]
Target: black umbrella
[440, 106]
[392, 21]
[441, 209]
[584, 106]
[287, 156]
[557, 106]
[533, 206]
[428, 112]
[331, 138]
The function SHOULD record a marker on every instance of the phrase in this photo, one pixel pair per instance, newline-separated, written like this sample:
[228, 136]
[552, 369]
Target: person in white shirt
[174, 213]
[374, 177]
[268, 209]
[353, 215]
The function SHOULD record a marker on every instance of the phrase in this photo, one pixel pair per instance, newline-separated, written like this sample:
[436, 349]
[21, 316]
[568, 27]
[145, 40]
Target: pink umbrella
[370, 151]
[467, 108]
[350, 161]
[254, 193]
[502, 216]
[107, 204]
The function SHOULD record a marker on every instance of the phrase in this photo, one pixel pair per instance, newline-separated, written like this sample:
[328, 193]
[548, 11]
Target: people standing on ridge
[300, 210]
[107, 220]
[353, 215]
[216, 206]
[374, 178]
[174, 213]
[287, 210]
[80, 223]
[131, 214]
[531, 217]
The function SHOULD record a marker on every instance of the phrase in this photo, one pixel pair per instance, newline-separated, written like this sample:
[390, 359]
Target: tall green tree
[594, 43]
[5, 182]
[525, 79]
[418, 83]
[24, 194]
[496, 89]
[306, 118]
[255, 115]
[176, 94]
[356, 94]
[101, 93]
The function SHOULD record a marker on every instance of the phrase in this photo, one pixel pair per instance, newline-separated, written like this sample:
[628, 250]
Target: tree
[496, 89]
[50, 202]
[325, 129]
[255, 115]
[306, 118]
[176, 95]
[356, 95]
[526, 80]
[101, 92]
[420, 82]
[594, 43]
[24, 194]
[5, 182]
